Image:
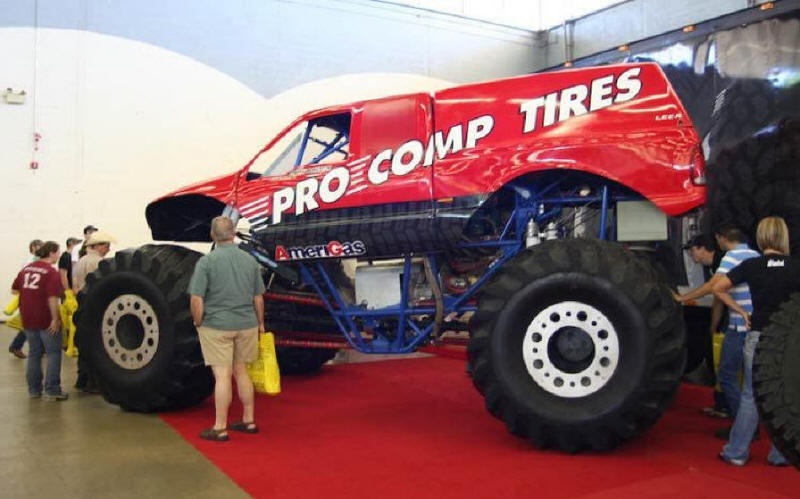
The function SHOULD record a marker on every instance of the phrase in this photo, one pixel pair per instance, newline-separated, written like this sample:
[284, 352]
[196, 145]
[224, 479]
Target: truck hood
[185, 214]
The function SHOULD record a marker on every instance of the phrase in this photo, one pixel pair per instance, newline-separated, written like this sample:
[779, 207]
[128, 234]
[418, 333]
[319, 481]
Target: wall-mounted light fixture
[10, 96]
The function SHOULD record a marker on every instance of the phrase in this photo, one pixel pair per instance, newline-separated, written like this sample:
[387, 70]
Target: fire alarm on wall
[13, 97]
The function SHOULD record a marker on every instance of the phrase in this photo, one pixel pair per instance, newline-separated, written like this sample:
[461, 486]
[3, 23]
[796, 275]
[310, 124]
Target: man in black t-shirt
[65, 263]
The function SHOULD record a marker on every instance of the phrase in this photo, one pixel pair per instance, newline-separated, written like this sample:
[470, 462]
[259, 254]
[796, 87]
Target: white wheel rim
[553, 320]
[124, 314]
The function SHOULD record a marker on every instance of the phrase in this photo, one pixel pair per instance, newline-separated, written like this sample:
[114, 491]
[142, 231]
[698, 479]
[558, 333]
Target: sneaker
[35, 395]
[778, 465]
[733, 461]
[18, 353]
[713, 412]
[56, 396]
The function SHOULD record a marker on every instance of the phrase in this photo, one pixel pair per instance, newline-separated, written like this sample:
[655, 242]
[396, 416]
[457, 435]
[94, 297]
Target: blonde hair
[772, 233]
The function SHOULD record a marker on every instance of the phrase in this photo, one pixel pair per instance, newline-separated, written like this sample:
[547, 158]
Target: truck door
[314, 186]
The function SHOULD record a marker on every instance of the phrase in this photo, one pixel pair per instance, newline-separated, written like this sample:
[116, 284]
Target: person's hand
[748, 321]
[55, 327]
[676, 296]
[261, 328]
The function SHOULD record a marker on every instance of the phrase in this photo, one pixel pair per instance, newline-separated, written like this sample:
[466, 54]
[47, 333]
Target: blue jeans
[40, 342]
[746, 421]
[17, 342]
[730, 363]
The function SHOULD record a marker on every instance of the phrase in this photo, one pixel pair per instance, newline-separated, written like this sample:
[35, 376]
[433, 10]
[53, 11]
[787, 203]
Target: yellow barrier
[67, 309]
[264, 371]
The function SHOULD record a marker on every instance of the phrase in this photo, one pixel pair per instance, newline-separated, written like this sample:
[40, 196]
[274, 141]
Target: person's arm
[721, 291]
[258, 305]
[64, 281]
[196, 304]
[705, 289]
[717, 309]
[55, 321]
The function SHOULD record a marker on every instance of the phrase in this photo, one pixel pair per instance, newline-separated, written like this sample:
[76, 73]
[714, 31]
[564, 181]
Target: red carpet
[417, 428]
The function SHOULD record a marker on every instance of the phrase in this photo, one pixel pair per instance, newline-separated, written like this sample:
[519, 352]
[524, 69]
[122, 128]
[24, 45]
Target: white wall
[124, 121]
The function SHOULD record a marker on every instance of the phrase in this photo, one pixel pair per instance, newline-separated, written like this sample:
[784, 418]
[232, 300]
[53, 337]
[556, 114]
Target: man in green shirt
[228, 311]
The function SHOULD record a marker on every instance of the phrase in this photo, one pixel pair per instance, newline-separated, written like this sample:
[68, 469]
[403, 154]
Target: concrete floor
[86, 448]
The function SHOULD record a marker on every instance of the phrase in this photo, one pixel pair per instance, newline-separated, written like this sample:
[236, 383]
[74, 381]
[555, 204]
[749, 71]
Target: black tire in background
[612, 285]
[742, 109]
[696, 92]
[134, 328]
[756, 178]
[776, 379]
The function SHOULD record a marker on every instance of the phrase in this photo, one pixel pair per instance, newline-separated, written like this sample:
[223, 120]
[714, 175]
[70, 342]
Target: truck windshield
[322, 140]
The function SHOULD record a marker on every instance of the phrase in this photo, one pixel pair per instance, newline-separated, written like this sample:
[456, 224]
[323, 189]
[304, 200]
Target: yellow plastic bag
[264, 371]
[15, 322]
[12, 306]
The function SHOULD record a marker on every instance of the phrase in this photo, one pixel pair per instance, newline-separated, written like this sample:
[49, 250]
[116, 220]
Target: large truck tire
[776, 379]
[134, 328]
[758, 178]
[575, 344]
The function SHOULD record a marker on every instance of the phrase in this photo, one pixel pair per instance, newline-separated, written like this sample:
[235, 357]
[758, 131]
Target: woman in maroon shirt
[39, 288]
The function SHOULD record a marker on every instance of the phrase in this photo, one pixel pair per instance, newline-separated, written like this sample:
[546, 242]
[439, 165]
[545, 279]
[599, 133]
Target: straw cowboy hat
[100, 237]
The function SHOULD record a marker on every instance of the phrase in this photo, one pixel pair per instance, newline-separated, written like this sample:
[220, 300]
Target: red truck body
[429, 160]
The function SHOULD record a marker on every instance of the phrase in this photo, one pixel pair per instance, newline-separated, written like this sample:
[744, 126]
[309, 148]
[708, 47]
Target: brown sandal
[214, 435]
[244, 427]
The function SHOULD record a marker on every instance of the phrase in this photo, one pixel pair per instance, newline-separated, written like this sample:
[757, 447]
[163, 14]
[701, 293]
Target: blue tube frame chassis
[410, 333]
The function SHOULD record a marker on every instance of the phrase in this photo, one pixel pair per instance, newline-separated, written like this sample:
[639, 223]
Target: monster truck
[526, 210]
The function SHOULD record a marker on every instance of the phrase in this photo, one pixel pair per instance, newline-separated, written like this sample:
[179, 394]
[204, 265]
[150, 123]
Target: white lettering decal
[280, 202]
[375, 174]
[429, 152]
[412, 148]
[549, 109]
[571, 103]
[454, 142]
[601, 93]
[629, 82]
[341, 174]
[305, 196]
[477, 129]
[531, 111]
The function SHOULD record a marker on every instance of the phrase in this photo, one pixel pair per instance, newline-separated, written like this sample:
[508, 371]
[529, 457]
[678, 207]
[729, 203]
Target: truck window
[322, 140]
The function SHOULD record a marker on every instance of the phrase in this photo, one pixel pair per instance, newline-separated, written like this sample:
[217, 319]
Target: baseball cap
[700, 241]
[73, 240]
[88, 228]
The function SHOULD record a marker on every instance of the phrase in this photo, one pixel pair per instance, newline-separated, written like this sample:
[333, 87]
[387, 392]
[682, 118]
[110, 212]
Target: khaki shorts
[225, 348]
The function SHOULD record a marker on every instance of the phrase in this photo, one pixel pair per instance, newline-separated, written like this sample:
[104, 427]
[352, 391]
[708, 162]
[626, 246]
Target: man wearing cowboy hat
[97, 246]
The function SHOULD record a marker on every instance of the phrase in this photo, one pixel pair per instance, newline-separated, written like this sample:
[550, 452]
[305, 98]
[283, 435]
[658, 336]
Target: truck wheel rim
[130, 331]
[571, 349]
